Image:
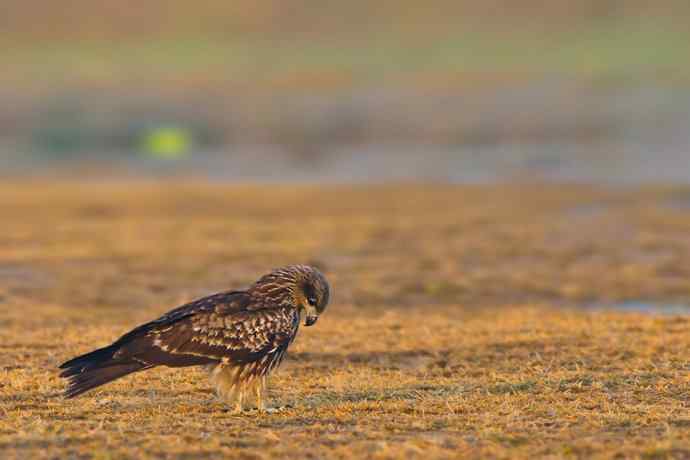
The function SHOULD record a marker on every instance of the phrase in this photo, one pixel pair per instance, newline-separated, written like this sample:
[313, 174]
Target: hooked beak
[310, 320]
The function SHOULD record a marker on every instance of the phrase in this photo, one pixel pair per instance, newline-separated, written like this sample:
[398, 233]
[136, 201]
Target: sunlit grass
[448, 333]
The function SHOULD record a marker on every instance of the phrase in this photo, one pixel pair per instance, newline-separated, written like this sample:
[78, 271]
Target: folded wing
[222, 328]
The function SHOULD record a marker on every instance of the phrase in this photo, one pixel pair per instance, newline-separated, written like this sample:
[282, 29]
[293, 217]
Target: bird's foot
[235, 409]
[268, 410]
[277, 409]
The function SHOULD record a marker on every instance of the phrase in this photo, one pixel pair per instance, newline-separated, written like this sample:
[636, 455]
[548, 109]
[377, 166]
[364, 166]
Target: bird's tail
[95, 369]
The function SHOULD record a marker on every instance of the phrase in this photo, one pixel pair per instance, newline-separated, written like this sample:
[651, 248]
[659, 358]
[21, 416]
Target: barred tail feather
[85, 381]
[95, 369]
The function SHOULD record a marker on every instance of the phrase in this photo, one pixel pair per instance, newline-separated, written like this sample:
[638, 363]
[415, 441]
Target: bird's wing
[219, 328]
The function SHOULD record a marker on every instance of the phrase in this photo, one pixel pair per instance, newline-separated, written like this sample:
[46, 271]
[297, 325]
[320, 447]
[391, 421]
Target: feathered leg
[259, 387]
[239, 400]
[229, 388]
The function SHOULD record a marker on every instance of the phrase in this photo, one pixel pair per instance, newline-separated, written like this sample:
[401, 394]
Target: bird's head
[299, 286]
[312, 295]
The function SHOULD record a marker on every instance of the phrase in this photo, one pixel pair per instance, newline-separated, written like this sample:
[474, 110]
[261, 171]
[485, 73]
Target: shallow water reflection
[644, 306]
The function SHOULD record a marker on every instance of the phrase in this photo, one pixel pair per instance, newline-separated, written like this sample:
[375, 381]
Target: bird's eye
[312, 301]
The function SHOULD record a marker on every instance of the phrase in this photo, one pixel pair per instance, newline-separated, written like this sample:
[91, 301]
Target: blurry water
[618, 136]
[641, 306]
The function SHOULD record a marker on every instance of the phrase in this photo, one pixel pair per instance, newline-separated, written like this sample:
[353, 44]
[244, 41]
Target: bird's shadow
[496, 351]
[377, 359]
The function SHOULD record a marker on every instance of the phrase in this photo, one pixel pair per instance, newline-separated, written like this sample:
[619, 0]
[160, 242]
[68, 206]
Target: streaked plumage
[241, 336]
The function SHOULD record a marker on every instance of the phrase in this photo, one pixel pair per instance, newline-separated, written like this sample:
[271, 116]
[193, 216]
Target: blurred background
[594, 91]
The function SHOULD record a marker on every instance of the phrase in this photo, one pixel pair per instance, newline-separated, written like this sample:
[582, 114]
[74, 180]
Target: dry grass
[449, 333]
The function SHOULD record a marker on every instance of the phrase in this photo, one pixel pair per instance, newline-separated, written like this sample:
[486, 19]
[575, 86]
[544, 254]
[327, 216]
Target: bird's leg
[220, 379]
[259, 387]
[239, 399]
[228, 386]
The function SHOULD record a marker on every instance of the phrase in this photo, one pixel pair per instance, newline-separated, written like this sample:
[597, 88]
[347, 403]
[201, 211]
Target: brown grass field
[461, 322]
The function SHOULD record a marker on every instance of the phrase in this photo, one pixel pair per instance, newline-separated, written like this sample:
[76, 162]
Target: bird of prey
[240, 336]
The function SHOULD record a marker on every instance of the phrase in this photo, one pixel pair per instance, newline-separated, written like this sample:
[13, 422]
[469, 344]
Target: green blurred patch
[628, 48]
[167, 142]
